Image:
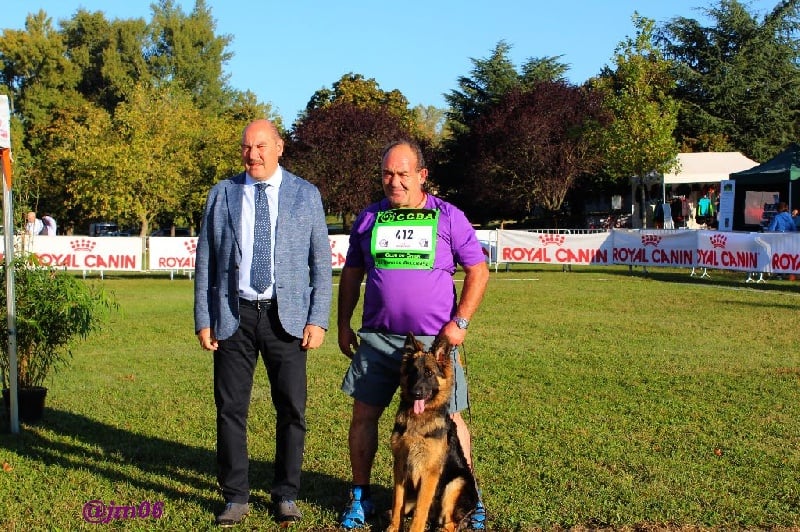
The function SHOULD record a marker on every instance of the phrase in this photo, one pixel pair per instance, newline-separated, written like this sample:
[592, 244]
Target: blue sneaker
[477, 520]
[358, 510]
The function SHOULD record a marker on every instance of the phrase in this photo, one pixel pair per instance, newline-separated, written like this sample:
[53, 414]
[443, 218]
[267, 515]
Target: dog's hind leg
[448, 519]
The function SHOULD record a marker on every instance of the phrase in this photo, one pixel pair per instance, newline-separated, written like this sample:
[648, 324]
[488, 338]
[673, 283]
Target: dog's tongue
[419, 406]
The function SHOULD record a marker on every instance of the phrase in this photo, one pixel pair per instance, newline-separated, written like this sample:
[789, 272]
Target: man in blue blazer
[280, 319]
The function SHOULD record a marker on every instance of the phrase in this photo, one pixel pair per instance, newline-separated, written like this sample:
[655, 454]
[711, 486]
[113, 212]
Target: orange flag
[6, 154]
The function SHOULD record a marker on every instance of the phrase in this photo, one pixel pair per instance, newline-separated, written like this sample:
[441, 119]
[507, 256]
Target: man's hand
[348, 341]
[313, 335]
[207, 340]
[453, 334]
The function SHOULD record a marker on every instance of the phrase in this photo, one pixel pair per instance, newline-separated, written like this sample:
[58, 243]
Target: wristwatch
[461, 323]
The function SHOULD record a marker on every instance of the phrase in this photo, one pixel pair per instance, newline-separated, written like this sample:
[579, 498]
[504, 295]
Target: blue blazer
[303, 273]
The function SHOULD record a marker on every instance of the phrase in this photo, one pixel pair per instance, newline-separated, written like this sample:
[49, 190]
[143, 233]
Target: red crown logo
[551, 238]
[83, 244]
[651, 240]
[191, 246]
[719, 240]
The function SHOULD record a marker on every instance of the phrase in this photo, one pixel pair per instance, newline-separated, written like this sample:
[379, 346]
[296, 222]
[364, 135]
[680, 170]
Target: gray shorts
[374, 373]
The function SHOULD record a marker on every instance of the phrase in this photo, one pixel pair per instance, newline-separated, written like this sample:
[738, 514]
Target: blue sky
[285, 51]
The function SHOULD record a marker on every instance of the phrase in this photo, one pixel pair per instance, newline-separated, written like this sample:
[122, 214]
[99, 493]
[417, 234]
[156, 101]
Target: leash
[463, 349]
[468, 518]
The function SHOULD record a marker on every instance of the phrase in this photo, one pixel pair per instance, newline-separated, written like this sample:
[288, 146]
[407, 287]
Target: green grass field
[600, 398]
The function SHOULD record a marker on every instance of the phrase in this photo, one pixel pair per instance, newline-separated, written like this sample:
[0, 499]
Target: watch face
[461, 323]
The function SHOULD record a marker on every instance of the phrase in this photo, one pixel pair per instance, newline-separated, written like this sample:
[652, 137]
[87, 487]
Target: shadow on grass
[728, 279]
[175, 470]
[700, 277]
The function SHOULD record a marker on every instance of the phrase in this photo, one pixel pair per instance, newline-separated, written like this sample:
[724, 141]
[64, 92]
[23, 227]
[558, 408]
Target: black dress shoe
[234, 513]
[287, 511]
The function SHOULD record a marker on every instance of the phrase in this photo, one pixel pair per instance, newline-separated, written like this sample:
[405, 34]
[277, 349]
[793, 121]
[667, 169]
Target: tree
[77, 150]
[430, 122]
[738, 79]
[108, 55]
[491, 79]
[134, 165]
[102, 103]
[361, 92]
[338, 147]
[528, 150]
[336, 143]
[35, 68]
[186, 51]
[639, 141]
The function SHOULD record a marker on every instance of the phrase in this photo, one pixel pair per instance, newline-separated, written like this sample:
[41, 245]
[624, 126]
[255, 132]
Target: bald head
[262, 145]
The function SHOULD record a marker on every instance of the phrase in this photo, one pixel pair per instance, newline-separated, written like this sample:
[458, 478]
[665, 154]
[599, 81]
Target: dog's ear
[412, 345]
[441, 350]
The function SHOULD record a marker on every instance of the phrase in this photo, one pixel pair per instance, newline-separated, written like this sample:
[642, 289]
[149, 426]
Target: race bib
[405, 239]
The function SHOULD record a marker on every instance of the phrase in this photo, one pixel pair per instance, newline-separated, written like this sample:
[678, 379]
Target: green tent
[780, 174]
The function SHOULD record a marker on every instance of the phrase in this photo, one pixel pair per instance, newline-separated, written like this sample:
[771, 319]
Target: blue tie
[260, 268]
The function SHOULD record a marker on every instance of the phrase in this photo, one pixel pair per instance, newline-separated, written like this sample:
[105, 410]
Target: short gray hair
[411, 144]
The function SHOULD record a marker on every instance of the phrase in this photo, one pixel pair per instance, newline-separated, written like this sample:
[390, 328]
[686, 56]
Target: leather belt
[258, 304]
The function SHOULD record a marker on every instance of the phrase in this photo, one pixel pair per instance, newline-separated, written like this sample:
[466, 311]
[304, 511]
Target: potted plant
[53, 309]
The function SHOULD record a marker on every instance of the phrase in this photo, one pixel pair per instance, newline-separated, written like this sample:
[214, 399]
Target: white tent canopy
[707, 167]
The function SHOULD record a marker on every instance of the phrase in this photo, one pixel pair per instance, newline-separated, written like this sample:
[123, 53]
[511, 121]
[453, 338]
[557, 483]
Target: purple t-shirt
[407, 300]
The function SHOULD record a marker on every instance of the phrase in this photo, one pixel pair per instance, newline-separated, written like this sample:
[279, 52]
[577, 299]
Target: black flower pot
[30, 403]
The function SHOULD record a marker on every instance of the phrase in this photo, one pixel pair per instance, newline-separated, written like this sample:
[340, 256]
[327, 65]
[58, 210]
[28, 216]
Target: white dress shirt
[248, 228]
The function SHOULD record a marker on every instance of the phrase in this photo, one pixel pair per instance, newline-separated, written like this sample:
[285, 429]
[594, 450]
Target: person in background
[33, 225]
[796, 218]
[49, 224]
[263, 286]
[782, 222]
[401, 296]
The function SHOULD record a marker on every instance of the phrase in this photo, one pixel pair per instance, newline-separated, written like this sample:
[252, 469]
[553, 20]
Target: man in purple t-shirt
[408, 245]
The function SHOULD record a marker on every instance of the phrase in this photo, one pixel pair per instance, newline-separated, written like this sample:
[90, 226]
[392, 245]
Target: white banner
[339, 246]
[782, 251]
[732, 251]
[655, 248]
[553, 248]
[178, 253]
[171, 253]
[88, 253]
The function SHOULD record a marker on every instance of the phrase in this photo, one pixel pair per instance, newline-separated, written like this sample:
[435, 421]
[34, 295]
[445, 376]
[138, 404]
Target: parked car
[179, 231]
[103, 229]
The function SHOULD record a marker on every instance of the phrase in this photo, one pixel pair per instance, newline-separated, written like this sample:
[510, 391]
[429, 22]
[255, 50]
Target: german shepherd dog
[431, 475]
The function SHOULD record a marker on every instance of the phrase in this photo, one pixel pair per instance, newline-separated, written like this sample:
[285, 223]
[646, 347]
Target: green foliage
[508, 175]
[338, 148]
[53, 309]
[731, 85]
[110, 112]
[186, 51]
[430, 122]
[489, 97]
[639, 140]
[492, 78]
[355, 90]
[36, 69]
[738, 81]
